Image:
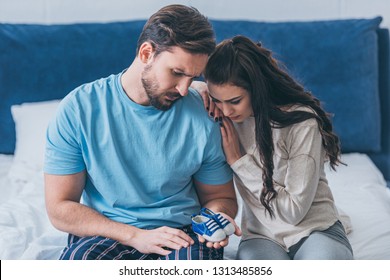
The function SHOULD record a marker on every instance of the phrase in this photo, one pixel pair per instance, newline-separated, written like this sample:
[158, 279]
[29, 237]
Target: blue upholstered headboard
[343, 62]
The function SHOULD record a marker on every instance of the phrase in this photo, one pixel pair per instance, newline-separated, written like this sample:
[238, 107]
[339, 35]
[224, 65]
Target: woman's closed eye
[233, 102]
[215, 100]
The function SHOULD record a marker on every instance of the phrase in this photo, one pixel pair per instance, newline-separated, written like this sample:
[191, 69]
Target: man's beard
[157, 100]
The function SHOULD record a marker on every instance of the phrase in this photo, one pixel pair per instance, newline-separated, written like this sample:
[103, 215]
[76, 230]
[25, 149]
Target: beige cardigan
[304, 201]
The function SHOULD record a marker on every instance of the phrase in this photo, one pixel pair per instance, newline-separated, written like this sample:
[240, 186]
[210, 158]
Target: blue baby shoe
[207, 228]
[223, 223]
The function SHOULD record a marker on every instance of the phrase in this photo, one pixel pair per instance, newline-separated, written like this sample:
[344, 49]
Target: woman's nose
[227, 110]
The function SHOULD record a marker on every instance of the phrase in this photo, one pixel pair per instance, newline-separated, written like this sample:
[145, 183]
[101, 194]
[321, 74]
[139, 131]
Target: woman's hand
[209, 105]
[230, 141]
[201, 88]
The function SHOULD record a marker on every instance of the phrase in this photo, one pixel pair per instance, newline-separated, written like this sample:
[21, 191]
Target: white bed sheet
[359, 190]
[25, 230]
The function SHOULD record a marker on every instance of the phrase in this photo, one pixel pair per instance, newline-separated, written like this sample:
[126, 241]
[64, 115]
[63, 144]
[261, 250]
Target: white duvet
[359, 190]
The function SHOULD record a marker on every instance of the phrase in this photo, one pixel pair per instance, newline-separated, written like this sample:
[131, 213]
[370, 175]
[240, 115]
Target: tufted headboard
[345, 63]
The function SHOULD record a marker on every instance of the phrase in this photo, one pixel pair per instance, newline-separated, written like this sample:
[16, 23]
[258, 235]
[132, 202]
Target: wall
[67, 11]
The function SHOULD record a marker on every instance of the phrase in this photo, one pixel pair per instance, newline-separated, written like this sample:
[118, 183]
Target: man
[140, 152]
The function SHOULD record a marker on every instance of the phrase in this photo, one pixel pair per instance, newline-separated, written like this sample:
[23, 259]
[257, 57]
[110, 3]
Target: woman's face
[233, 101]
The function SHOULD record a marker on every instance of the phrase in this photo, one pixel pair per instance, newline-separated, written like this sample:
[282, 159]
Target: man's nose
[183, 85]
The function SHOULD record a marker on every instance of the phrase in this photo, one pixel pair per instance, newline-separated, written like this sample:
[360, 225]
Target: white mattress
[359, 190]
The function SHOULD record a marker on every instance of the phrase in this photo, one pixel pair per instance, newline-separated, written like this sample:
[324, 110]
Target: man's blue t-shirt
[140, 161]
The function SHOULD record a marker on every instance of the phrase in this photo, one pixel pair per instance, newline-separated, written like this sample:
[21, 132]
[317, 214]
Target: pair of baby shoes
[211, 226]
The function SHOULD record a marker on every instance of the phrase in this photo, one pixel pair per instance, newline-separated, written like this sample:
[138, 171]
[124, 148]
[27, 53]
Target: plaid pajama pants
[102, 248]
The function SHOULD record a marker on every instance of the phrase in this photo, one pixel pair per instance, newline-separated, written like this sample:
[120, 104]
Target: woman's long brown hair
[241, 62]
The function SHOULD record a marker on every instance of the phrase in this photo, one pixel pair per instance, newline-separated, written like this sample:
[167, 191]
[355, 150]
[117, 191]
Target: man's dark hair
[180, 26]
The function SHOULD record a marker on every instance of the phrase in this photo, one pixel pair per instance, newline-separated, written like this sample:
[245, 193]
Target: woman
[277, 148]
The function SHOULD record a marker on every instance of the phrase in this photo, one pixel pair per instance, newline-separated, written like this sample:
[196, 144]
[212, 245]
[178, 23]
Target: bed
[344, 62]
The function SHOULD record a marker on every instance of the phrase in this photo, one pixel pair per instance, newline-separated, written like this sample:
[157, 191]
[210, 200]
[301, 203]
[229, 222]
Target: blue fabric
[101, 248]
[382, 158]
[337, 61]
[44, 62]
[141, 161]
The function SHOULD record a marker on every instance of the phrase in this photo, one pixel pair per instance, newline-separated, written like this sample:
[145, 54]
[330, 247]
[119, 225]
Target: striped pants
[102, 248]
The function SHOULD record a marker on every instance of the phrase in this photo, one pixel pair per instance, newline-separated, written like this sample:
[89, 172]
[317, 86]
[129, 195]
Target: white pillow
[31, 121]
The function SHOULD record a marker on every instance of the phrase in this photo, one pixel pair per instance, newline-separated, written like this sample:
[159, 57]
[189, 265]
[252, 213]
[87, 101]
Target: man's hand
[159, 240]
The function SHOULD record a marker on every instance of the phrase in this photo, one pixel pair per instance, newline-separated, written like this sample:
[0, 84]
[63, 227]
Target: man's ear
[146, 52]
